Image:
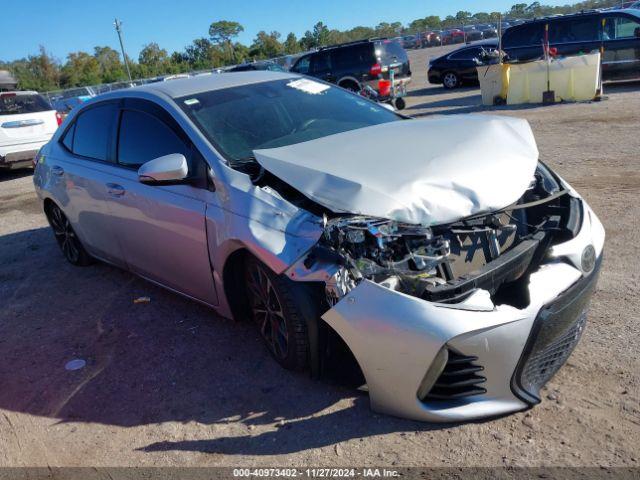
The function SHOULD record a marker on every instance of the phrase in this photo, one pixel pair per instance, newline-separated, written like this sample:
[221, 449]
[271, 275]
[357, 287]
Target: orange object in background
[384, 88]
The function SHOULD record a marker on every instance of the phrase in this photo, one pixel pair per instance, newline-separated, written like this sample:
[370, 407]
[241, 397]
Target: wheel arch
[346, 81]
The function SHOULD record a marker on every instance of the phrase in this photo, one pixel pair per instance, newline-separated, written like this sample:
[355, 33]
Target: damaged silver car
[447, 260]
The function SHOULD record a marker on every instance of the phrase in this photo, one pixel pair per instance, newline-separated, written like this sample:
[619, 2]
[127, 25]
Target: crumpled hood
[429, 171]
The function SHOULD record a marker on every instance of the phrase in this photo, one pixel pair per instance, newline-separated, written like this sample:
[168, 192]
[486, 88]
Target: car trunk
[392, 57]
[25, 118]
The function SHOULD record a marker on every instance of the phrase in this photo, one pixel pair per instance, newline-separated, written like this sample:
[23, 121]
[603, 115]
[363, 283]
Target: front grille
[459, 378]
[555, 333]
[547, 361]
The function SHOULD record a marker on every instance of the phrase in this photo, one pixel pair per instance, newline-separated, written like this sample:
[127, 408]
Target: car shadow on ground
[168, 360]
[438, 90]
[7, 175]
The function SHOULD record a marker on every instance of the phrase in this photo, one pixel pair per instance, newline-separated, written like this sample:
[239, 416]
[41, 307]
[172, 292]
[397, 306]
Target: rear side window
[13, 104]
[579, 29]
[357, 55]
[92, 134]
[144, 137]
[321, 62]
[390, 52]
[466, 54]
[524, 35]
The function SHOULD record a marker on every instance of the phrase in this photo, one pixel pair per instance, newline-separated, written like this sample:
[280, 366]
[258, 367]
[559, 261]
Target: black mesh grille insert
[459, 378]
[555, 333]
[543, 364]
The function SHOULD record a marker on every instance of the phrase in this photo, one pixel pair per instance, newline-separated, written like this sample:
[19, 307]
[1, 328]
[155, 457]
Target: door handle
[115, 190]
[57, 170]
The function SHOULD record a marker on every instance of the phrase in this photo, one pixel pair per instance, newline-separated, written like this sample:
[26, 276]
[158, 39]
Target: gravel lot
[168, 383]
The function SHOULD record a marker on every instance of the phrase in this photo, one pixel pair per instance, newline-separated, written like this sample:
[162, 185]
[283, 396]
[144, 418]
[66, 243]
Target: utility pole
[118, 25]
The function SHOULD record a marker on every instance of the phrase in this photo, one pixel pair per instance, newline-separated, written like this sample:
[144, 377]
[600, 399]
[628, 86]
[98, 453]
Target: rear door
[621, 36]
[25, 118]
[160, 228]
[354, 61]
[78, 170]
[321, 66]
[575, 35]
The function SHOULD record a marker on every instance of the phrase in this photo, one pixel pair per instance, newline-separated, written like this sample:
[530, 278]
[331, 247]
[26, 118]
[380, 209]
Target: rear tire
[66, 237]
[450, 80]
[350, 85]
[275, 305]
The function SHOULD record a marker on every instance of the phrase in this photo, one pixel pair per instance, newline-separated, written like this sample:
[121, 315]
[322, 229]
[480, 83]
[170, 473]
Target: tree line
[43, 72]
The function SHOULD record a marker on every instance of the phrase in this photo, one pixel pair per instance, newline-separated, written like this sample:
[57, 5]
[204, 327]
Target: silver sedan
[441, 254]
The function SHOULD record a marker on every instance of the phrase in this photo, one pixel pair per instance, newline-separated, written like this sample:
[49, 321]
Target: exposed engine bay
[446, 263]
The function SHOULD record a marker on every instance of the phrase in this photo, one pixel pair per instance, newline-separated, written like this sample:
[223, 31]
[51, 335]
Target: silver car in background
[455, 267]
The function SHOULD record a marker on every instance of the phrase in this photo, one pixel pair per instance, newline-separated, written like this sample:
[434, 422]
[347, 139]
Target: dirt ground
[168, 383]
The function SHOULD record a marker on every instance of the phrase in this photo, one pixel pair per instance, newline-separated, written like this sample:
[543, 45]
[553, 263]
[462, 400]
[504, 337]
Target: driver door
[160, 228]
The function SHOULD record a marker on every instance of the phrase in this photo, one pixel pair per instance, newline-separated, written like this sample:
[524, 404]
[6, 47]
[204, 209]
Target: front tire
[275, 307]
[66, 237]
[450, 80]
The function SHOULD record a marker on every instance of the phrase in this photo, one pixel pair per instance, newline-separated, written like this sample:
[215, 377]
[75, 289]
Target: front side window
[302, 65]
[621, 27]
[143, 137]
[273, 114]
[93, 132]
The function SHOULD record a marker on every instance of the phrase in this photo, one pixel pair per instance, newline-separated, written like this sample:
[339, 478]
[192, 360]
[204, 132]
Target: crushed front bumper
[397, 339]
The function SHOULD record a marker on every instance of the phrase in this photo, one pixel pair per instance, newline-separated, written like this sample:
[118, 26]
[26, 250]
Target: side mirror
[170, 168]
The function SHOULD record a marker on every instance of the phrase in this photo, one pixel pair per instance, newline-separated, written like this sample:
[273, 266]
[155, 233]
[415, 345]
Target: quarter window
[143, 137]
[93, 132]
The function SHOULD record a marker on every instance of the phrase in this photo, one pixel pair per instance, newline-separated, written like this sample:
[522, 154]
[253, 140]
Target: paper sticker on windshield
[308, 86]
[191, 101]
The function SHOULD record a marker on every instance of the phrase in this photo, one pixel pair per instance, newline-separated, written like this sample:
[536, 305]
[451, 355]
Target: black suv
[617, 31]
[357, 64]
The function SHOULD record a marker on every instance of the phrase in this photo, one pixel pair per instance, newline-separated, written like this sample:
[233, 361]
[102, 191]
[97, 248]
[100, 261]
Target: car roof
[189, 86]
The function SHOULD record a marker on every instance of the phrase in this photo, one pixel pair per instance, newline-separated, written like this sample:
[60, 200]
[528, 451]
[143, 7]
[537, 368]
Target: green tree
[80, 69]
[153, 60]
[266, 45]
[110, 67]
[291, 44]
[222, 32]
[39, 72]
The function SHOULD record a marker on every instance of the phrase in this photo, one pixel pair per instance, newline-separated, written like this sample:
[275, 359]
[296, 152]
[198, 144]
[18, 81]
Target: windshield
[273, 114]
[11, 104]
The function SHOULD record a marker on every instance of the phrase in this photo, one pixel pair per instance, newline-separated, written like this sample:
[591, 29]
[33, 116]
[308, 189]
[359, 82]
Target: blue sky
[64, 26]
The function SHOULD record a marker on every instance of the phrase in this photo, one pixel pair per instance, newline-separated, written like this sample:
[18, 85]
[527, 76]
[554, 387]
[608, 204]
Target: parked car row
[616, 32]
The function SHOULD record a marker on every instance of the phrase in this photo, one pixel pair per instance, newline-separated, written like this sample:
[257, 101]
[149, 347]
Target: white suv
[27, 122]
